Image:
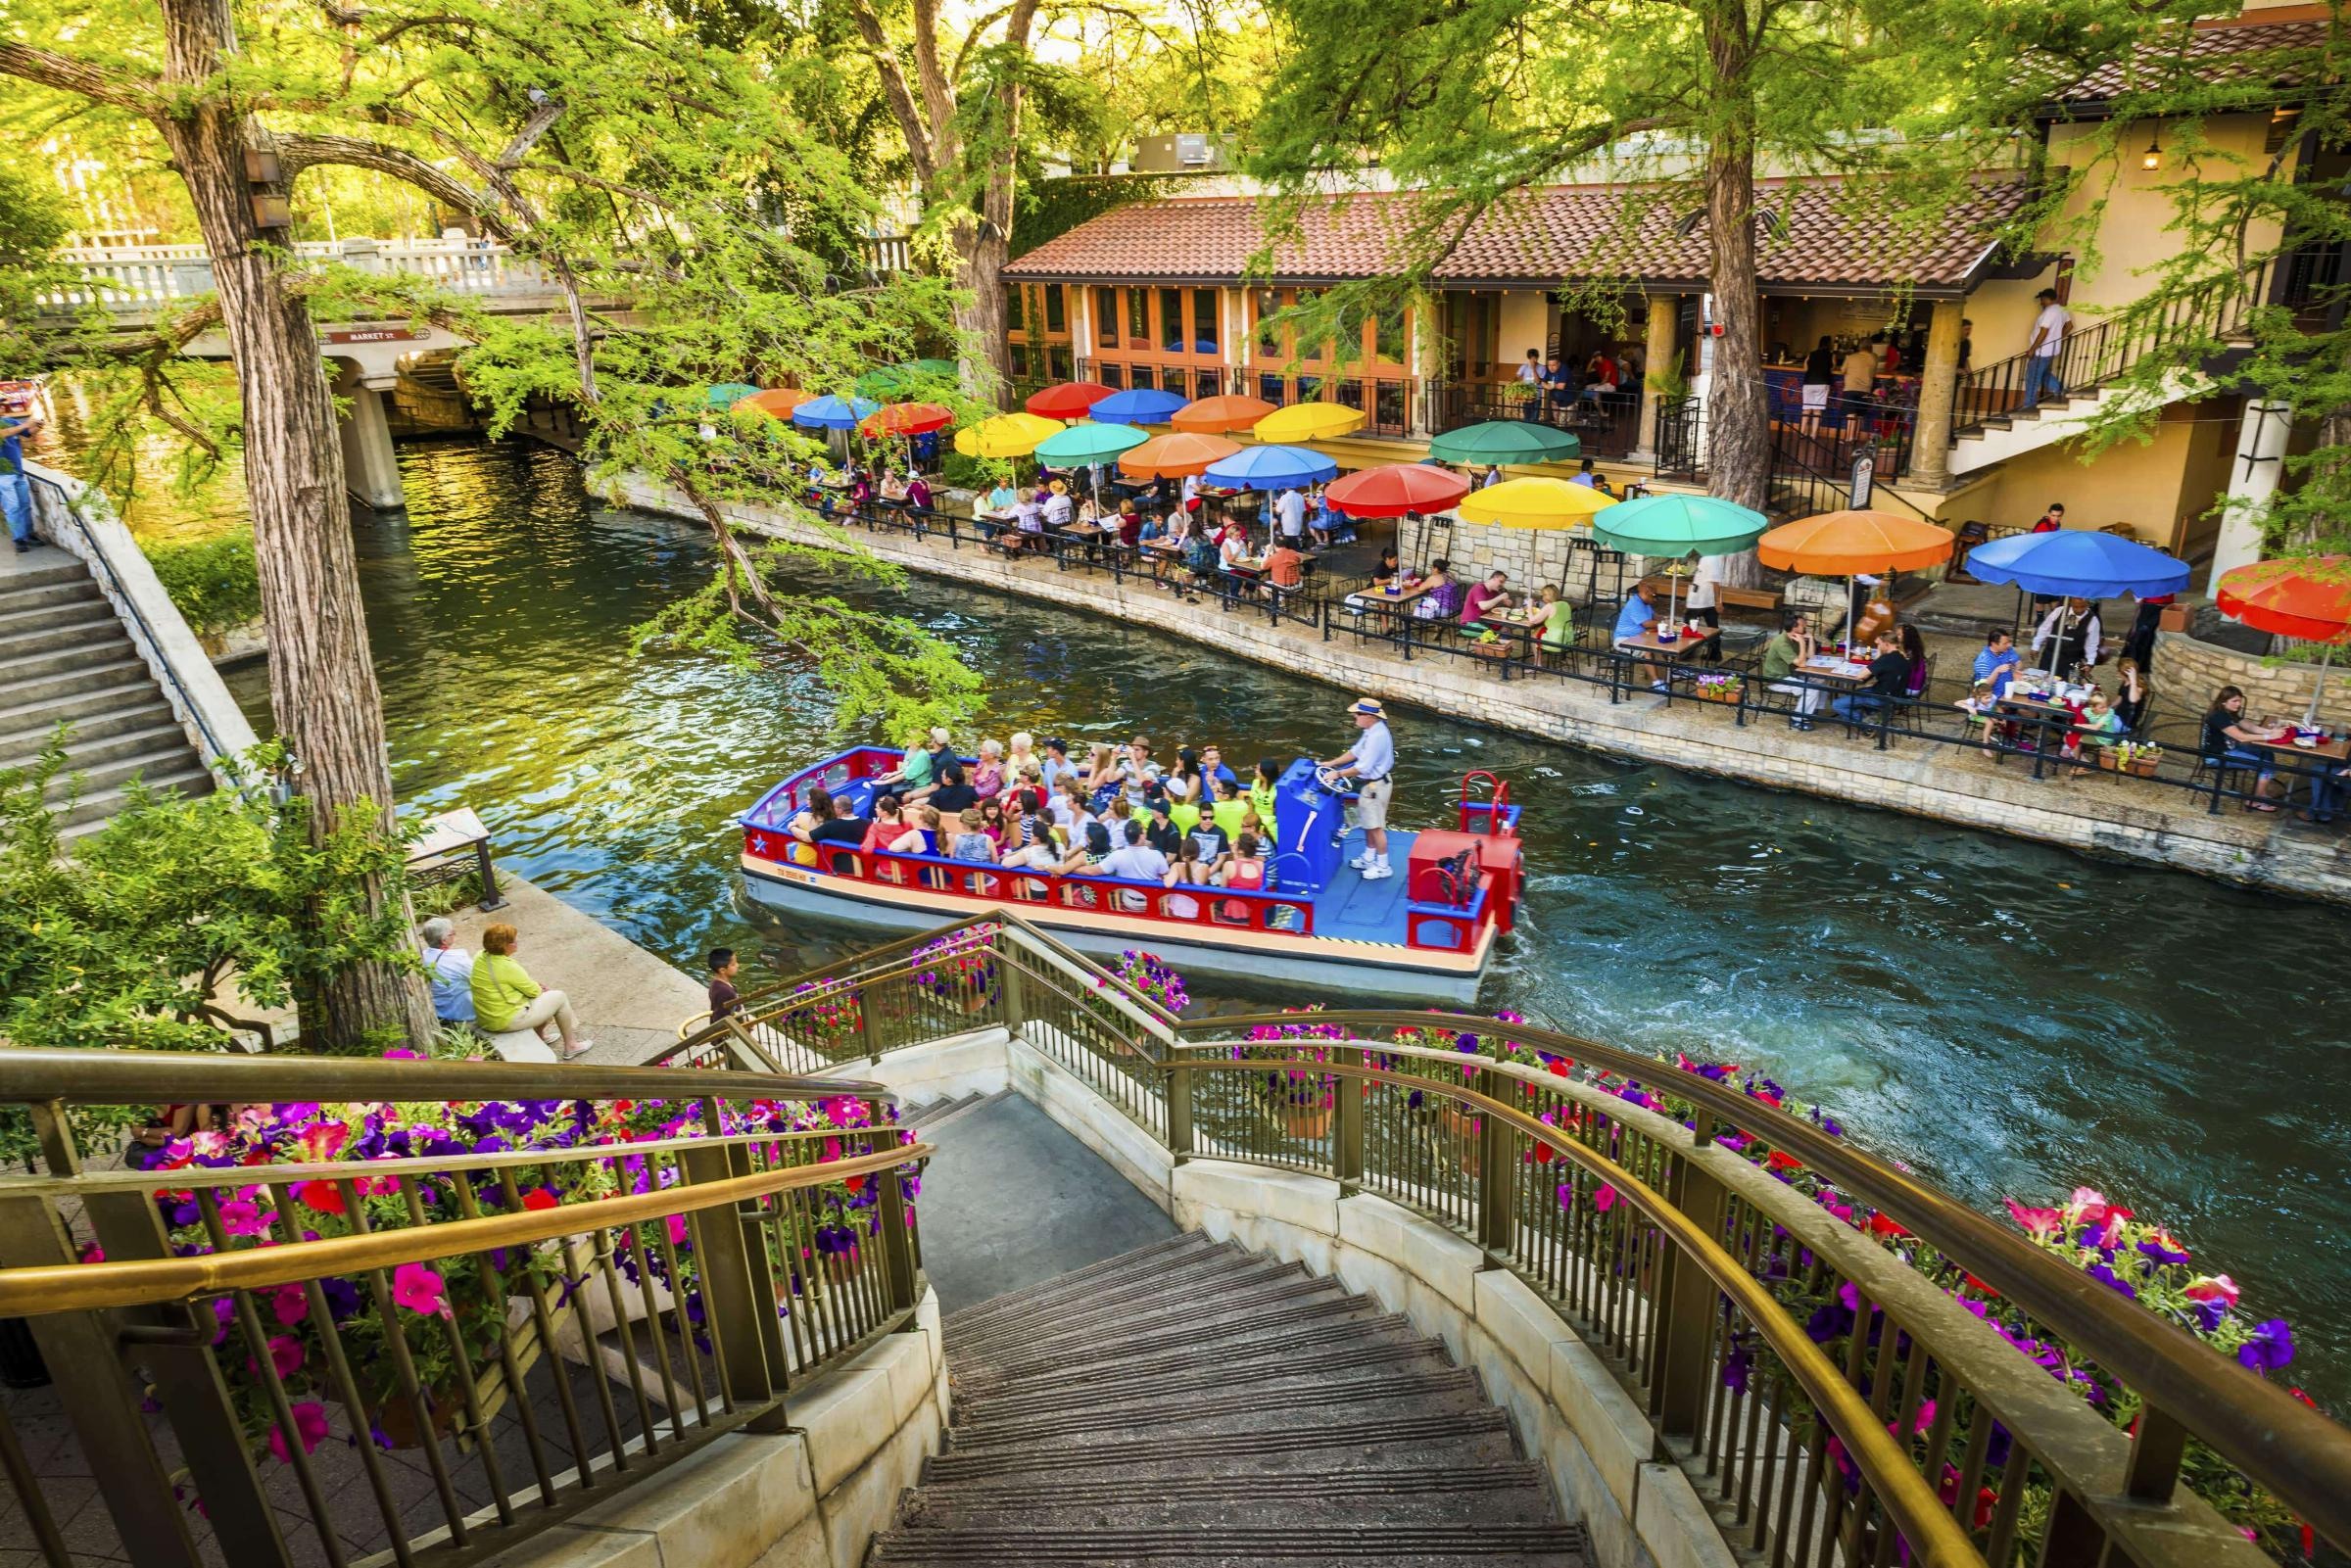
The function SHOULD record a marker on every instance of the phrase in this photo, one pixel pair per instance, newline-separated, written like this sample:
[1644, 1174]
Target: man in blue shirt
[1640, 615]
[449, 971]
[16, 422]
[1997, 662]
[1369, 762]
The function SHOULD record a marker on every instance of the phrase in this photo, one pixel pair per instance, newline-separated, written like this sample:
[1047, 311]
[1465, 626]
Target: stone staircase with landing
[1194, 1404]
[67, 658]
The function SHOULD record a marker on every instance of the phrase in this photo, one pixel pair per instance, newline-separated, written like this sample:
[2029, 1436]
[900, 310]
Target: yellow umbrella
[1007, 435]
[1309, 421]
[1537, 502]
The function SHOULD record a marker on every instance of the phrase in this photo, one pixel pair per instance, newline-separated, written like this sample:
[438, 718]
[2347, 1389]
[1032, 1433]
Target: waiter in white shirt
[1289, 510]
[1369, 762]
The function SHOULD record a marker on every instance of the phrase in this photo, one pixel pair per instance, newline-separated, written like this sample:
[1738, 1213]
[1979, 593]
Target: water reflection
[2011, 1019]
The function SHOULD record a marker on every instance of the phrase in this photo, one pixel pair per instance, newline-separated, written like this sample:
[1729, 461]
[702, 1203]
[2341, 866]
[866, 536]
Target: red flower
[539, 1198]
[323, 1196]
[855, 1183]
[1545, 1153]
[1778, 1159]
[1885, 1225]
[1561, 1065]
[1977, 1284]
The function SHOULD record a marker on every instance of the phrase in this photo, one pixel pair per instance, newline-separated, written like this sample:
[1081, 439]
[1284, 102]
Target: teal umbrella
[1089, 444]
[1505, 441]
[727, 394]
[903, 380]
[1676, 525]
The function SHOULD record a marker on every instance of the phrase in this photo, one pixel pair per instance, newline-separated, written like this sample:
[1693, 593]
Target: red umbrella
[1066, 399]
[2307, 599]
[906, 419]
[1395, 489]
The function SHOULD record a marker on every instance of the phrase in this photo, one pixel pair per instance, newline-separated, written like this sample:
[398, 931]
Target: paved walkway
[1011, 1199]
[630, 1001]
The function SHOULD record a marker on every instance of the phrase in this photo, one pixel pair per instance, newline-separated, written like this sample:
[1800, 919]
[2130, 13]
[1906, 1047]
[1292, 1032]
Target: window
[1138, 317]
[1019, 358]
[1268, 339]
[1057, 317]
[1303, 299]
[1269, 386]
[1016, 309]
[1111, 375]
[1106, 314]
[1057, 362]
[1207, 384]
[1207, 309]
[1388, 406]
[1387, 334]
[1171, 320]
[1144, 380]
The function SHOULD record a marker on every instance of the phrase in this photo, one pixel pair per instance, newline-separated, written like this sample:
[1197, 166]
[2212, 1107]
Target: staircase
[1193, 1404]
[65, 657]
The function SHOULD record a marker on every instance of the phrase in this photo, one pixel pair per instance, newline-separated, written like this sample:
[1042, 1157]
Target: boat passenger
[971, 840]
[887, 826]
[1184, 781]
[1160, 831]
[1245, 868]
[1020, 754]
[805, 820]
[954, 791]
[992, 821]
[1262, 788]
[913, 779]
[1134, 861]
[1187, 871]
[921, 837]
[1092, 850]
[1212, 763]
[988, 773]
[1057, 763]
[1101, 766]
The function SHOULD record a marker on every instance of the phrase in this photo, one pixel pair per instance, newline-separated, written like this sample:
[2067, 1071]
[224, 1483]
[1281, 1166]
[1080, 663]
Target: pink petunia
[2086, 1203]
[2040, 1223]
[321, 1141]
[310, 1425]
[242, 1216]
[676, 1230]
[290, 1305]
[2211, 1288]
[1603, 1196]
[285, 1354]
[420, 1289]
[2107, 1229]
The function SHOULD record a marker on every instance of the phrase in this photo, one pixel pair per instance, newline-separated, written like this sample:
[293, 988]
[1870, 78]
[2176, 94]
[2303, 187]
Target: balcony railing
[422, 1308]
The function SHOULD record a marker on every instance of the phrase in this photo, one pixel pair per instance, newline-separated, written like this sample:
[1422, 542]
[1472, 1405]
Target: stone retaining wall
[2099, 815]
[2193, 670]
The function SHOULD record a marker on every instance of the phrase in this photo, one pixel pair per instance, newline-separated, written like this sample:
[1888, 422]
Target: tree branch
[539, 124]
[920, 148]
[63, 73]
[299, 152]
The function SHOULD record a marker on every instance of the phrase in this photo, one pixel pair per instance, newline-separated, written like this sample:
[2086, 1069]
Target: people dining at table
[2132, 693]
[1440, 596]
[1706, 579]
[1637, 619]
[1889, 683]
[1915, 650]
[1285, 564]
[2096, 726]
[1784, 657]
[1388, 571]
[1488, 593]
[1554, 625]
[2232, 740]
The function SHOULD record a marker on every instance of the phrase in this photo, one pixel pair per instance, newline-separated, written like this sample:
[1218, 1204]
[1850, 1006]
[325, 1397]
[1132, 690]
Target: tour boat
[1427, 932]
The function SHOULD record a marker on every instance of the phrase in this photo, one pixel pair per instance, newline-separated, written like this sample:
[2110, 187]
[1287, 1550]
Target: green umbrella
[1506, 441]
[1676, 525]
[1089, 444]
[903, 380]
[727, 394]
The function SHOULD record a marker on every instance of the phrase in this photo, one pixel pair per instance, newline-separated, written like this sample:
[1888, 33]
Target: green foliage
[1050, 208]
[127, 945]
[214, 583]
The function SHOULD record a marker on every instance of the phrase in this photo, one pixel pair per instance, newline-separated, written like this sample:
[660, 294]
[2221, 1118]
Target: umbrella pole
[1848, 640]
[2309, 715]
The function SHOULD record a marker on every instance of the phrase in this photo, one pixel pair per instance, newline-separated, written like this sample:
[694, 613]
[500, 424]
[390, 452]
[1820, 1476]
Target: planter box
[1725, 694]
[2138, 767]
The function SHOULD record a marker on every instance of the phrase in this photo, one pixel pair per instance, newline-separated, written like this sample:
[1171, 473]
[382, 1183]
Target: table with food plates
[1678, 648]
[2306, 751]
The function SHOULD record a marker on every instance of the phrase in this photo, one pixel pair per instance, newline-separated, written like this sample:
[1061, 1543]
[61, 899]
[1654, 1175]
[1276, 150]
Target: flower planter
[1462, 1130]
[1728, 692]
[2141, 765]
[1306, 1122]
[396, 1417]
[1490, 650]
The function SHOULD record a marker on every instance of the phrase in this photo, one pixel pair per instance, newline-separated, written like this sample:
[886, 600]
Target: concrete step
[1220, 1271]
[1199, 1339]
[84, 752]
[1364, 1393]
[938, 1112]
[1481, 1435]
[153, 763]
[61, 658]
[1117, 1386]
[74, 625]
[1074, 1284]
[30, 618]
[1320, 1545]
[93, 675]
[94, 807]
[1496, 1493]
[48, 592]
[44, 571]
[110, 710]
[1139, 1357]
[1183, 1302]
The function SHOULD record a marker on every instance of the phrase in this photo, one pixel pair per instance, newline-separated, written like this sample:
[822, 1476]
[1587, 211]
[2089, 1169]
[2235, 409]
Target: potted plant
[959, 969]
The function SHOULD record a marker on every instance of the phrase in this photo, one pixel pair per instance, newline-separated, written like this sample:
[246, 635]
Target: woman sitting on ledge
[506, 998]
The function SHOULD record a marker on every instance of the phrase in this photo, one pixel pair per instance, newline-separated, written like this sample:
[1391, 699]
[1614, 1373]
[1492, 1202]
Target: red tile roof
[1541, 238]
[2256, 54]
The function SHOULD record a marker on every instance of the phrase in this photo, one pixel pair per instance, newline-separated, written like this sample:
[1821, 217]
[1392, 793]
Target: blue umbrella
[1140, 406]
[1270, 468]
[833, 414]
[2079, 563]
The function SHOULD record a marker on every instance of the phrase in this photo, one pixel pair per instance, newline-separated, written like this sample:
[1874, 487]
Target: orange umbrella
[1174, 457]
[779, 402]
[906, 419]
[2307, 599]
[1843, 543]
[1221, 416]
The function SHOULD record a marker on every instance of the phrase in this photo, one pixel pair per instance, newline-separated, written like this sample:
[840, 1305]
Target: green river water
[2005, 1018]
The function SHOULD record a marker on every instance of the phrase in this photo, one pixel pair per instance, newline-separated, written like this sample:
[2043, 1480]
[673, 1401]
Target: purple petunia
[2107, 1277]
[2270, 1348]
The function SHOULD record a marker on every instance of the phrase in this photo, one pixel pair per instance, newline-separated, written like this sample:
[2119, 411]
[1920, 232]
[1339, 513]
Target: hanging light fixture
[2153, 158]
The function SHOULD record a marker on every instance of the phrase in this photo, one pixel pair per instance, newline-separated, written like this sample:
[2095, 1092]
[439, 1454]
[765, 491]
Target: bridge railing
[421, 1308]
[141, 278]
[1852, 1367]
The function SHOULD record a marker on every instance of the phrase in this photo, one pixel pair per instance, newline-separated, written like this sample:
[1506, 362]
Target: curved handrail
[84, 1287]
[121, 597]
[1934, 1536]
[2290, 1448]
[140, 1077]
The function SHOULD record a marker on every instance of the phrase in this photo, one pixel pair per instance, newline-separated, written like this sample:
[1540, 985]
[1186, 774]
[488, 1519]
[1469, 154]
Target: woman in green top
[1228, 808]
[1260, 792]
[506, 997]
[1554, 621]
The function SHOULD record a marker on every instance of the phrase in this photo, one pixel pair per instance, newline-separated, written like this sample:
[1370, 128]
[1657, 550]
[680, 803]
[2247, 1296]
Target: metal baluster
[491, 1280]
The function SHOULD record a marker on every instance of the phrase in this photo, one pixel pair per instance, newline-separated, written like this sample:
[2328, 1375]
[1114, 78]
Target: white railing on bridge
[130, 279]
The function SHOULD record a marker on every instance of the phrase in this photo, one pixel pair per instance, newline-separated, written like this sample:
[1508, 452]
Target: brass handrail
[835, 975]
[30, 1077]
[1935, 1537]
[84, 1287]
[2288, 1448]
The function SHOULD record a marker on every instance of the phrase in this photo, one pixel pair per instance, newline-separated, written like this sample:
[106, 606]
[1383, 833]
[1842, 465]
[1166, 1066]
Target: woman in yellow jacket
[506, 997]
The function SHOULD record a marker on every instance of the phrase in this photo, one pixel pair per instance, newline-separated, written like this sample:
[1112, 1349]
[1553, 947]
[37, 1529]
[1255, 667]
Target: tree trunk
[979, 257]
[322, 687]
[1737, 413]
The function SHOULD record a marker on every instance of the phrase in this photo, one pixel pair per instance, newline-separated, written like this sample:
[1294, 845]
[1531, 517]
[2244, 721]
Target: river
[2004, 1018]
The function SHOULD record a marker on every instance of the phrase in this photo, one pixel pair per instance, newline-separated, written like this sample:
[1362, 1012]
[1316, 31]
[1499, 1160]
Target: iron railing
[452, 1303]
[1839, 1402]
